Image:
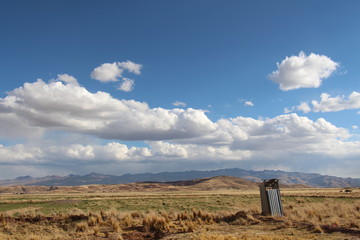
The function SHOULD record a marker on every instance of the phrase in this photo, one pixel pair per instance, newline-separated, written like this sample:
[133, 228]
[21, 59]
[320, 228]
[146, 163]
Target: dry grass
[330, 212]
[156, 225]
[212, 236]
[305, 218]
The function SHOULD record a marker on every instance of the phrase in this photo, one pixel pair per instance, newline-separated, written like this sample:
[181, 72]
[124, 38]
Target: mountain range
[203, 184]
[289, 178]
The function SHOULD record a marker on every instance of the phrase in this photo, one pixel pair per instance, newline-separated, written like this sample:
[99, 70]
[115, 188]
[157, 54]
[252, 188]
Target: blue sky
[148, 86]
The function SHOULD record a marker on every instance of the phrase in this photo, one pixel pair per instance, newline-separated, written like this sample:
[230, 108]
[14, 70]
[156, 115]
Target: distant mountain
[310, 179]
[203, 184]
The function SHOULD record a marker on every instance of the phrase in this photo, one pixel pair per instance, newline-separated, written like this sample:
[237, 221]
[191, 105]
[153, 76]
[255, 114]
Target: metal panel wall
[275, 202]
[271, 198]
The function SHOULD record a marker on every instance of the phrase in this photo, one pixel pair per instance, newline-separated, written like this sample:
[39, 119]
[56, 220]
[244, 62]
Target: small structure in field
[271, 198]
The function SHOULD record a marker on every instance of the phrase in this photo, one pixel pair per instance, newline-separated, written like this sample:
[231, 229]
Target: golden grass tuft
[92, 221]
[115, 225]
[127, 220]
[96, 230]
[155, 223]
[81, 227]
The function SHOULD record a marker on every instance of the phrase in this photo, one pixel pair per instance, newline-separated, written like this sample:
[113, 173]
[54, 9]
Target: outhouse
[271, 198]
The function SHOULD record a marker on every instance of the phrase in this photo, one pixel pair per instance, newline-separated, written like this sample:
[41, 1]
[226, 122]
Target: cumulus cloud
[284, 133]
[286, 140]
[19, 153]
[107, 72]
[303, 71]
[338, 103]
[72, 108]
[130, 66]
[164, 149]
[67, 79]
[112, 72]
[79, 151]
[127, 85]
[304, 106]
[332, 104]
[47, 154]
[179, 104]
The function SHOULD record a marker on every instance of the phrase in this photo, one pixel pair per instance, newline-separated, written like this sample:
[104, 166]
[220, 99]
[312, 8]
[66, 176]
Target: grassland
[219, 214]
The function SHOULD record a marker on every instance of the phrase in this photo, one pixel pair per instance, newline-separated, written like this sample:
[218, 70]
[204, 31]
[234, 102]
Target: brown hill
[216, 183]
[203, 184]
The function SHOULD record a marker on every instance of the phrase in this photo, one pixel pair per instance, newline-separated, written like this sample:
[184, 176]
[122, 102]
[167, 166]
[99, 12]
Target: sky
[137, 86]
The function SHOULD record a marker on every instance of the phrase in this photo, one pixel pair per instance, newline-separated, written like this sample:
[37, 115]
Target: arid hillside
[203, 184]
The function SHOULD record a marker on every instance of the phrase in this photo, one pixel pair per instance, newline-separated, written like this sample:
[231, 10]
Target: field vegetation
[219, 214]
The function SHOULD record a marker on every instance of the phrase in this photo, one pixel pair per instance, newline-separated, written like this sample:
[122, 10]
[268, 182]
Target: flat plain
[155, 211]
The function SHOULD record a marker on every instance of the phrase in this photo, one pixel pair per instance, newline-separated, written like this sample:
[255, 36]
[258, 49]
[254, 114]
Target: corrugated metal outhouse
[271, 198]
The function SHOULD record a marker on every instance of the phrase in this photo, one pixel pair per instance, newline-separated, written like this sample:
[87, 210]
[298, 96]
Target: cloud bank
[303, 71]
[175, 138]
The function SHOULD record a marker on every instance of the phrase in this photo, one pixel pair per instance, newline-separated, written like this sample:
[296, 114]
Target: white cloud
[67, 79]
[338, 103]
[304, 106]
[79, 151]
[19, 153]
[72, 108]
[355, 127]
[47, 154]
[127, 85]
[107, 72]
[249, 103]
[285, 133]
[111, 72]
[303, 71]
[286, 140]
[332, 104]
[130, 66]
[167, 150]
[179, 104]
[288, 110]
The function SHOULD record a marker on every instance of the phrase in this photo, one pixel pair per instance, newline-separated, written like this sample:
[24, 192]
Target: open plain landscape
[211, 208]
[177, 120]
